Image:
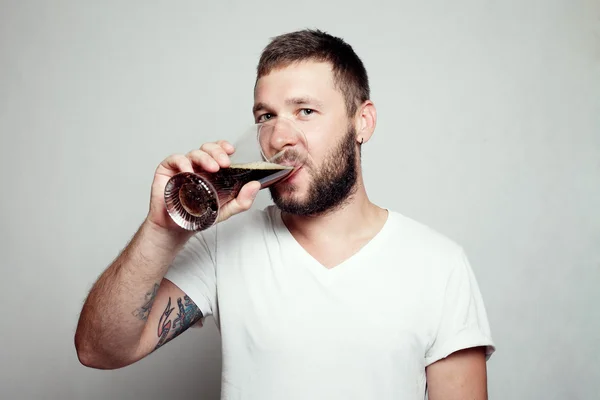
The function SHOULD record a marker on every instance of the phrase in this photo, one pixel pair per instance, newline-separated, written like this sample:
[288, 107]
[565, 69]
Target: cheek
[321, 141]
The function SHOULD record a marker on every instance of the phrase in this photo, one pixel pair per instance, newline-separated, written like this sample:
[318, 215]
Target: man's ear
[366, 119]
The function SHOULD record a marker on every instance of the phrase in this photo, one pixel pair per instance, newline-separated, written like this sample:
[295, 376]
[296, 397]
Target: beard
[332, 186]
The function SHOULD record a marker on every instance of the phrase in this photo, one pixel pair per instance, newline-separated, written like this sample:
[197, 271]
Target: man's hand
[460, 376]
[210, 158]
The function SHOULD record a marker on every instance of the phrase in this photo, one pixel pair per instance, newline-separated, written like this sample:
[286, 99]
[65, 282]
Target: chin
[293, 189]
[288, 193]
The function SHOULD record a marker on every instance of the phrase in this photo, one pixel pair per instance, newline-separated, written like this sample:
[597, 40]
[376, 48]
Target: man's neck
[357, 217]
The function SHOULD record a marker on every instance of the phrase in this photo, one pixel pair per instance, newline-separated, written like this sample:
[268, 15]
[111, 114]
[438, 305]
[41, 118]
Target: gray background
[488, 131]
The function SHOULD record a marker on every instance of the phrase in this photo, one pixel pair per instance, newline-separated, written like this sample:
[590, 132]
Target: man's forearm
[115, 312]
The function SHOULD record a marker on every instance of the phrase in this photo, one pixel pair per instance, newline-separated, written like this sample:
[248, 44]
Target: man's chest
[286, 304]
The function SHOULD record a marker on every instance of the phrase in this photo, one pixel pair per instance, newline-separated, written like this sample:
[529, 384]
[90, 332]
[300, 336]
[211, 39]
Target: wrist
[164, 238]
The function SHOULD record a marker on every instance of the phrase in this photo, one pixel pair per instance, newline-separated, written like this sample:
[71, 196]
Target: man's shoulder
[419, 236]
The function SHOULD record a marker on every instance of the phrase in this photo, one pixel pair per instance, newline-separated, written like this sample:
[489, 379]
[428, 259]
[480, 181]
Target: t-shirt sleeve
[193, 271]
[463, 323]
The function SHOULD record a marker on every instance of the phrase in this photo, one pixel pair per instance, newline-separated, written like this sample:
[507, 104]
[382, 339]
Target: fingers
[228, 147]
[210, 157]
[203, 160]
[178, 162]
[219, 152]
[247, 195]
[242, 202]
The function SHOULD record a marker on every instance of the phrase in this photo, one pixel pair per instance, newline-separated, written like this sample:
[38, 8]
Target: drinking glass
[267, 152]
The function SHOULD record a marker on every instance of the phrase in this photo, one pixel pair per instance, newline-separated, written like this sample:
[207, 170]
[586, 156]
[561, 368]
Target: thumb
[242, 202]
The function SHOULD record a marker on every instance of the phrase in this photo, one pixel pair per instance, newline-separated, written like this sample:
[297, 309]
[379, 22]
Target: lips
[291, 174]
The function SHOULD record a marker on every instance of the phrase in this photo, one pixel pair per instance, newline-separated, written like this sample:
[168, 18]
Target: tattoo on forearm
[188, 314]
[143, 312]
[164, 324]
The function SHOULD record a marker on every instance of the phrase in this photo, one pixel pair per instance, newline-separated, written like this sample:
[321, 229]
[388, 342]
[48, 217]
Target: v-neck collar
[356, 260]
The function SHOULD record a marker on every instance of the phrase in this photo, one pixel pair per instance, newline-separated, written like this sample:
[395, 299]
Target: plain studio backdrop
[488, 131]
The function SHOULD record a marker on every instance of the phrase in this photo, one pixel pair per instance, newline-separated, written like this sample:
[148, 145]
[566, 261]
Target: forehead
[306, 78]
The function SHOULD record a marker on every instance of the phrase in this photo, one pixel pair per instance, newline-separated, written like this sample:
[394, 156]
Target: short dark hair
[349, 73]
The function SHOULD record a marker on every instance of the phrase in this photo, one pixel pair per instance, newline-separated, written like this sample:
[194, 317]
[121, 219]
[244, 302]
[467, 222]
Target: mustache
[289, 156]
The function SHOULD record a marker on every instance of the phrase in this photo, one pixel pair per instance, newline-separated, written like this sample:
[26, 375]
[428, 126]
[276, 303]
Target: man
[324, 295]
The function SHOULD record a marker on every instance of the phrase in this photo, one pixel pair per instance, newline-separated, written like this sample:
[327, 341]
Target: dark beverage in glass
[193, 199]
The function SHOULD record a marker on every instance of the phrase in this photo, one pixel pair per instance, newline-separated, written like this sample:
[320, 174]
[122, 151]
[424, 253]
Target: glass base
[192, 201]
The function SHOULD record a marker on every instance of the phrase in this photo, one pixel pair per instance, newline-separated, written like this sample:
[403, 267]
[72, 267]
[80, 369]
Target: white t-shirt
[365, 329]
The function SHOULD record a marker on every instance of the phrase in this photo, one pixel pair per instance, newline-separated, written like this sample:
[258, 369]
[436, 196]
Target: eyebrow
[258, 107]
[295, 101]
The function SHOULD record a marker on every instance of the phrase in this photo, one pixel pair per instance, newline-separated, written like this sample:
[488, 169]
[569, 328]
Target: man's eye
[307, 111]
[265, 117]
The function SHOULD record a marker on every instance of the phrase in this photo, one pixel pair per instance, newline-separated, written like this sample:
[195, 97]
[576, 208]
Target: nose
[278, 134]
[283, 134]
